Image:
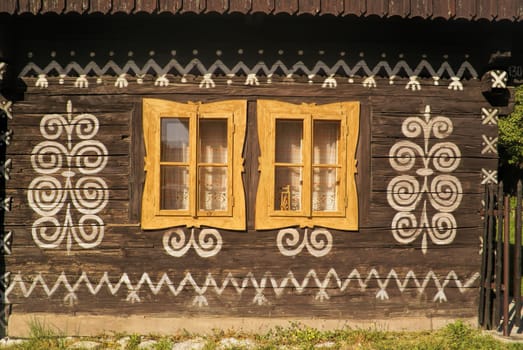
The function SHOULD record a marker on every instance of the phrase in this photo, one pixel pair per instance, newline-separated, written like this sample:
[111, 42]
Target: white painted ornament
[42, 81]
[490, 144]
[329, 82]
[206, 243]
[499, 79]
[489, 176]
[67, 182]
[318, 244]
[341, 68]
[489, 116]
[6, 108]
[455, 84]
[264, 286]
[5, 137]
[428, 185]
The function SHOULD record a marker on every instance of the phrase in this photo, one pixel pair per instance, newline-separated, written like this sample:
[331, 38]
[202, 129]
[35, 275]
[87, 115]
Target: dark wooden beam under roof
[491, 10]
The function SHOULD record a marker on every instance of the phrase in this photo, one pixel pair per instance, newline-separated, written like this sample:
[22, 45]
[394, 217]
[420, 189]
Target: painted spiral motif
[404, 193]
[318, 244]
[48, 157]
[59, 163]
[403, 155]
[431, 185]
[177, 242]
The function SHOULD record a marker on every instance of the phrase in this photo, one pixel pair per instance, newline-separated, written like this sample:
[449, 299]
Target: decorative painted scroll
[25, 285]
[206, 243]
[318, 244]
[68, 184]
[429, 184]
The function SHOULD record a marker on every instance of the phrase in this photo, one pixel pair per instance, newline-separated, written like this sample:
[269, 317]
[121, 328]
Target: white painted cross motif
[5, 137]
[490, 144]
[6, 242]
[5, 106]
[489, 176]
[499, 79]
[67, 182]
[489, 116]
[5, 169]
[5, 203]
[430, 185]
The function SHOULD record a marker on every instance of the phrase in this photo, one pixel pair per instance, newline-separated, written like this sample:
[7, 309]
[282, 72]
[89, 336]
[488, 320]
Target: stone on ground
[191, 344]
[85, 344]
[6, 342]
[147, 344]
[227, 343]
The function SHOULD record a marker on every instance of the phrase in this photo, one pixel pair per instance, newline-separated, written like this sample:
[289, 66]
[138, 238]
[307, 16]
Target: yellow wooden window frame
[346, 218]
[153, 217]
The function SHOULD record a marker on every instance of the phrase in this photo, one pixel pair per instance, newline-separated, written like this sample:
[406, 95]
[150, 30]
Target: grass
[455, 336]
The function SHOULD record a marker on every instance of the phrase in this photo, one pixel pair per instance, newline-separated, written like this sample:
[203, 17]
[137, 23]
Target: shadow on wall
[10, 90]
[4, 235]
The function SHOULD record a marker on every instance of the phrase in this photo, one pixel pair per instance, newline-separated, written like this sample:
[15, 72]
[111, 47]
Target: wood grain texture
[194, 6]
[220, 6]
[356, 7]
[32, 6]
[99, 6]
[53, 6]
[378, 8]
[77, 6]
[421, 8]
[335, 7]
[312, 7]
[466, 9]
[286, 6]
[263, 6]
[169, 6]
[123, 6]
[147, 6]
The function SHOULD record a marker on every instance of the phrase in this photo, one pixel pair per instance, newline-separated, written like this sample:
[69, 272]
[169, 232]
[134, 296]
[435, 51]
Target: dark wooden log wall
[249, 267]
[362, 274]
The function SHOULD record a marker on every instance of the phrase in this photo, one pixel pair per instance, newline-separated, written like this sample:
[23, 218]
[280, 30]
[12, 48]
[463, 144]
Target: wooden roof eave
[472, 10]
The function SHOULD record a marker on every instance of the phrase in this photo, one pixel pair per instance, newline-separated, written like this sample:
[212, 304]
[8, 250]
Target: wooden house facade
[249, 159]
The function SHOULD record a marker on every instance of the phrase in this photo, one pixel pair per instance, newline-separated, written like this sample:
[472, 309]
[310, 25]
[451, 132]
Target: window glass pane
[174, 140]
[288, 188]
[324, 189]
[174, 187]
[212, 188]
[326, 134]
[289, 137]
[213, 141]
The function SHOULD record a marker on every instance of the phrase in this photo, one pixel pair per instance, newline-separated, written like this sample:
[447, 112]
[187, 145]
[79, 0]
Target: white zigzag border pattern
[401, 68]
[261, 286]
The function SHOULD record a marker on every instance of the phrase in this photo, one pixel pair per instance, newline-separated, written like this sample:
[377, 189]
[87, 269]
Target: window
[307, 165]
[193, 164]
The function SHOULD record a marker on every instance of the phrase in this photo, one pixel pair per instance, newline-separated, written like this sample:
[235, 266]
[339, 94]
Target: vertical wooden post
[517, 256]
[483, 273]
[506, 266]
[488, 246]
[498, 306]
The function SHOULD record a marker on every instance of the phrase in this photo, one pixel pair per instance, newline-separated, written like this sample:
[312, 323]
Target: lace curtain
[211, 167]
[289, 165]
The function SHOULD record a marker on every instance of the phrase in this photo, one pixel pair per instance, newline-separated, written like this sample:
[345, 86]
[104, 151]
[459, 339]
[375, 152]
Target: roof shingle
[491, 10]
